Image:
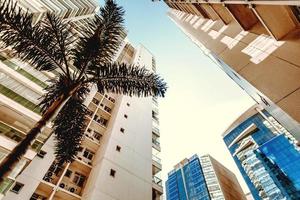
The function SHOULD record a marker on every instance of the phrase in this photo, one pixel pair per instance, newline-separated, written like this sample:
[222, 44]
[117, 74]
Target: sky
[201, 101]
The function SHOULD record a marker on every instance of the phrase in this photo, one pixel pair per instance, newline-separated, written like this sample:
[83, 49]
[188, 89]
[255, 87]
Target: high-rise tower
[256, 43]
[266, 154]
[202, 178]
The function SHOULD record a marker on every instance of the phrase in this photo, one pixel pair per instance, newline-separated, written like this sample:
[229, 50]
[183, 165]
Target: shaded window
[17, 187]
[112, 172]
[68, 173]
[118, 148]
[79, 179]
[296, 11]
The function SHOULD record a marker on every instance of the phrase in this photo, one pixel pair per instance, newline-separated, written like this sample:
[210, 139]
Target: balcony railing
[93, 135]
[156, 159]
[157, 181]
[24, 73]
[96, 101]
[155, 130]
[6, 185]
[21, 100]
[18, 136]
[107, 109]
[53, 173]
[70, 186]
[156, 142]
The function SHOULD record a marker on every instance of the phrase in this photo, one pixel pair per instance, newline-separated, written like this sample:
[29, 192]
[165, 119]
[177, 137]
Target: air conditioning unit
[53, 167]
[72, 189]
[47, 179]
[50, 174]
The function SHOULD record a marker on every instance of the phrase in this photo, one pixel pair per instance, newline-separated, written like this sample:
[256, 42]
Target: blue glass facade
[267, 159]
[187, 182]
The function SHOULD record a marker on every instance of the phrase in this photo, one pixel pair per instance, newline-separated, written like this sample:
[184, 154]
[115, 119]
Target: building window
[97, 135]
[88, 154]
[36, 196]
[112, 172]
[296, 11]
[126, 116]
[17, 187]
[68, 173]
[118, 148]
[122, 130]
[41, 154]
[79, 179]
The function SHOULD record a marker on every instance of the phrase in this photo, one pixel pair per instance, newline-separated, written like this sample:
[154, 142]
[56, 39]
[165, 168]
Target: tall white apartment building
[119, 158]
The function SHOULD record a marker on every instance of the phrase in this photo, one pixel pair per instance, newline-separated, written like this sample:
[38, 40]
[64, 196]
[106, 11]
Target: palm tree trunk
[19, 151]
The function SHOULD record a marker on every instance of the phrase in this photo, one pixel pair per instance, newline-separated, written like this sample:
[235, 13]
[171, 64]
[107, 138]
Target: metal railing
[157, 180]
[156, 159]
[156, 142]
[155, 130]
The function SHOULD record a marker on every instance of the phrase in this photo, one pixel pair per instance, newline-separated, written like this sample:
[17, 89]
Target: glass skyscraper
[266, 154]
[202, 178]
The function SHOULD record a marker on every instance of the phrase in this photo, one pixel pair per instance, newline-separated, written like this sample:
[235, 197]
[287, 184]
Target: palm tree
[81, 61]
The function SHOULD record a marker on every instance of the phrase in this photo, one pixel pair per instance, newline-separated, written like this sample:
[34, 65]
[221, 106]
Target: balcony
[156, 144]
[93, 137]
[109, 100]
[53, 174]
[104, 111]
[98, 123]
[43, 190]
[96, 101]
[63, 194]
[85, 156]
[70, 188]
[6, 185]
[107, 109]
[17, 136]
[74, 179]
[156, 165]
[154, 101]
[157, 185]
[155, 130]
[19, 99]
[24, 73]
[101, 120]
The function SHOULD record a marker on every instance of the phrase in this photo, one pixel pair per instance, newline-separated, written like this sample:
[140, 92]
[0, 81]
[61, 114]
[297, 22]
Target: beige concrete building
[119, 158]
[257, 43]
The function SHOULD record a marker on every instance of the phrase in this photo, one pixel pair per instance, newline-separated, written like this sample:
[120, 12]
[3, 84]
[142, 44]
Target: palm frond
[128, 80]
[58, 86]
[32, 43]
[63, 38]
[69, 127]
[103, 37]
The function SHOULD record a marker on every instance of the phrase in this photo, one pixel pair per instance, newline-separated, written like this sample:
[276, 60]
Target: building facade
[249, 196]
[119, 158]
[256, 43]
[202, 178]
[267, 155]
